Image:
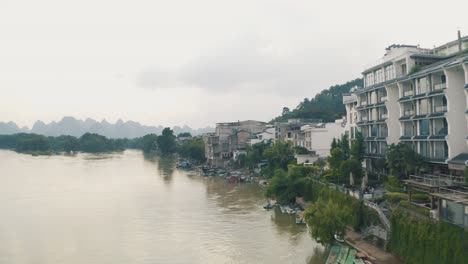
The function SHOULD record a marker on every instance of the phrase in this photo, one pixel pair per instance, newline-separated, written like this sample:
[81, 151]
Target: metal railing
[408, 112]
[440, 86]
[440, 109]
[437, 180]
[381, 214]
[408, 93]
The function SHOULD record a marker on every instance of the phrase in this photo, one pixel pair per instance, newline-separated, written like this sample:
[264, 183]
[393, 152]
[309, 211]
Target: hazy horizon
[196, 63]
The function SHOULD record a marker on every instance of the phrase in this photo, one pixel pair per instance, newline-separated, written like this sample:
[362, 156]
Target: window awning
[458, 162]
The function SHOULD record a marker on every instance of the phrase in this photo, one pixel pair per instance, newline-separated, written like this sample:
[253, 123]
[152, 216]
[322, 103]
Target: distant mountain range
[76, 127]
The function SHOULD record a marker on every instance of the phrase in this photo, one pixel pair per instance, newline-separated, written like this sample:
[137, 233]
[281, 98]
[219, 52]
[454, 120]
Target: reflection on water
[165, 164]
[130, 208]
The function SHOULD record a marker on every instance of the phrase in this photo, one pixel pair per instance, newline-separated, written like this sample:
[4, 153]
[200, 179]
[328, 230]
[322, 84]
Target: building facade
[229, 140]
[416, 96]
[318, 138]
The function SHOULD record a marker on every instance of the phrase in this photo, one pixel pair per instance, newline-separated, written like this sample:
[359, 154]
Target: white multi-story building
[318, 138]
[416, 96]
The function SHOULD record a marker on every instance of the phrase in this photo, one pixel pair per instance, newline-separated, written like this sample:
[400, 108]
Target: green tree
[327, 105]
[334, 163]
[344, 145]
[357, 147]
[402, 159]
[279, 155]
[326, 218]
[184, 134]
[349, 166]
[65, 143]
[301, 150]
[148, 143]
[166, 141]
[193, 148]
[32, 142]
[94, 143]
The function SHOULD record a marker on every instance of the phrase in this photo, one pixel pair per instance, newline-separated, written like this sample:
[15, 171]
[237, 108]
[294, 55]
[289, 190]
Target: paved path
[376, 254]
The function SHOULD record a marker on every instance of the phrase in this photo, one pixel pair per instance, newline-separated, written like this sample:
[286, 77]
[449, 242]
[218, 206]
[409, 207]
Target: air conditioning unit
[433, 214]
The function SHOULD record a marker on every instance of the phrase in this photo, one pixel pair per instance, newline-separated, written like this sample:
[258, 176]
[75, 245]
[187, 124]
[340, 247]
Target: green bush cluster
[420, 240]
[362, 216]
[396, 197]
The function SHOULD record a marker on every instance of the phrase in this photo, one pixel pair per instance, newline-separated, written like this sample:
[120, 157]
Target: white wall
[393, 112]
[322, 138]
[301, 159]
[456, 106]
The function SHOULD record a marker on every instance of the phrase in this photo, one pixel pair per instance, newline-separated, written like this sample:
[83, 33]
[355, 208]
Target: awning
[458, 162]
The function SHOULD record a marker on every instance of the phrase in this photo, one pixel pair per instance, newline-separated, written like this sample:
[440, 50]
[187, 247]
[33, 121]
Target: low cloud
[246, 65]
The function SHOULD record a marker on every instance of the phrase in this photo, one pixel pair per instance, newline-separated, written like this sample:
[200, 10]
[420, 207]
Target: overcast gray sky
[197, 62]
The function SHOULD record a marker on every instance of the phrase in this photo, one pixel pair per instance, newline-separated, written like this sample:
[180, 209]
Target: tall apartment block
[417, 96]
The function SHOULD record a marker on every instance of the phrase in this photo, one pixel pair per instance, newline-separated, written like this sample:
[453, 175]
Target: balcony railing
[383, 99]
[408, 112]
[441, 131]
[408, 93]
[363, 103]
[364, 118]
[383, 116]
[440, 86]
[440, 109]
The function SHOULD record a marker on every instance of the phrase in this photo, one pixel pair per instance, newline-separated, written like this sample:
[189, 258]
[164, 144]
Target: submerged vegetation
[165, 144]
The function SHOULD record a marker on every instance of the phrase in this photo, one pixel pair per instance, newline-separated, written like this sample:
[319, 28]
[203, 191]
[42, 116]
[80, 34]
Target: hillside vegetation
[327, 105]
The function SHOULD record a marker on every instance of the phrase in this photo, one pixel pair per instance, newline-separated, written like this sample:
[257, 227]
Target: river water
[128, 208]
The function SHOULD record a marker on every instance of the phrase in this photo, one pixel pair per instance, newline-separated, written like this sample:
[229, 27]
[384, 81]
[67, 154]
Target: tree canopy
[327, 105]
[167, 141]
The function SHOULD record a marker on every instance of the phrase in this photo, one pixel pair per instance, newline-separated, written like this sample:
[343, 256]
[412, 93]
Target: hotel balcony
[382, 99]
[383, 116]
[439, 109]
[408, 93]
[408, 113]
[440, 86]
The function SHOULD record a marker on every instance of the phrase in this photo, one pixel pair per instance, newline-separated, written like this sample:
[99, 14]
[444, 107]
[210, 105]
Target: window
[408, 129]
[383, 130]
[423, 85]
[379, 76]
[403, 69]
[424, 149]
[440, 150]
[408, 109]
[373, 130]
[424, 127]
[389, 72]
[423, 107]
[369, 79]
[440, 127]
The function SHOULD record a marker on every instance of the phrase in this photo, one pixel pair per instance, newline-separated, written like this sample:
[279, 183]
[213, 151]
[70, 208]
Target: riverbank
[374, 253]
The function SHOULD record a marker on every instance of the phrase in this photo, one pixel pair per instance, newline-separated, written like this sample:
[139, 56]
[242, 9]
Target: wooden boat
[333, 255]
[351, 257]
[358, 261]
[343, 255]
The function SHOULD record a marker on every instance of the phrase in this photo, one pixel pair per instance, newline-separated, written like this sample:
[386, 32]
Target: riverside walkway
[375, 254]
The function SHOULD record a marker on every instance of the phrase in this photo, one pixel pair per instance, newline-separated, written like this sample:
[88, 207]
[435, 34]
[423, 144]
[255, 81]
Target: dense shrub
[420, 240]
[395, 197]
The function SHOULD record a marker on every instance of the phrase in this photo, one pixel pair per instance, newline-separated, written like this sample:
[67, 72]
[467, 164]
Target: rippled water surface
[127, 208]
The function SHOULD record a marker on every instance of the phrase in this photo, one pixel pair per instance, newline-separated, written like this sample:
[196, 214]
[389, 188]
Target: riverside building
[417, 96]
